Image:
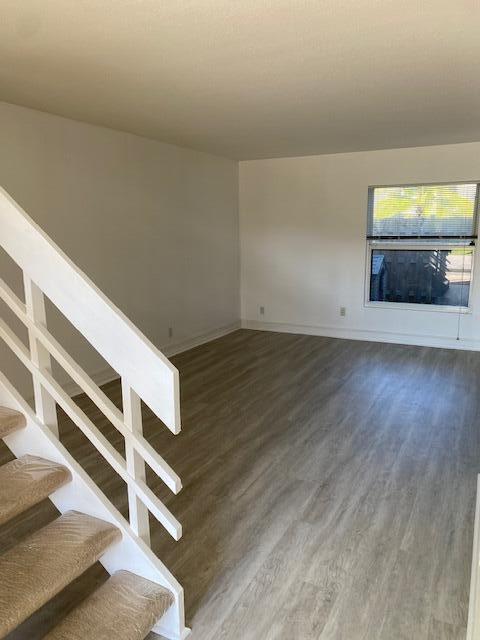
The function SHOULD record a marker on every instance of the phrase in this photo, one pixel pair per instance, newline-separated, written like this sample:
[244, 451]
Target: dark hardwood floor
[329, 490]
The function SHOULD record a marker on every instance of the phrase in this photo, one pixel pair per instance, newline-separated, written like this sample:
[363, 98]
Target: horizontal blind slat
[423, 211]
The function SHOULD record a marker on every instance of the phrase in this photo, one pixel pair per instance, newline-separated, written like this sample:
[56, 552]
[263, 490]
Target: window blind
[423, 211]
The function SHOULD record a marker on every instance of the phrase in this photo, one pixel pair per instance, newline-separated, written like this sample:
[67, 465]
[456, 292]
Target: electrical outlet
[170, 332]
[343, 311]
[262, 311]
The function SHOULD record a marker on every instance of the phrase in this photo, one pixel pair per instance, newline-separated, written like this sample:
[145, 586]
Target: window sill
[404, 306]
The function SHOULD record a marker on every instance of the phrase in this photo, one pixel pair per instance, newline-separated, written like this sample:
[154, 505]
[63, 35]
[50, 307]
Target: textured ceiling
[250, 79]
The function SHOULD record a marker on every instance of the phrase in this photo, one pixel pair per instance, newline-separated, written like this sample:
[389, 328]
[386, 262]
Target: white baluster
[132, 412]
[45, 405]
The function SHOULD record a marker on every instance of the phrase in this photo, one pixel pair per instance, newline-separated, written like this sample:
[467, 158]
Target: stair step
[126, 607]
[27, 481]
[10, 421]
[43, 564]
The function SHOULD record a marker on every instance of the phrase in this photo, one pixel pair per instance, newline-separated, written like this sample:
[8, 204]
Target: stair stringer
[82, 494]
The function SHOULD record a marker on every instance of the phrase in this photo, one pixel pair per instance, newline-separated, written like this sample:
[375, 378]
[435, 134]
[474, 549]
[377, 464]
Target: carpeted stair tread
[27, 481]
[10, 421]
[126, 607]
[43, 564]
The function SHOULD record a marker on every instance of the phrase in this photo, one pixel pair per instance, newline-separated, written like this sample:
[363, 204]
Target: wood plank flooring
[329, 490]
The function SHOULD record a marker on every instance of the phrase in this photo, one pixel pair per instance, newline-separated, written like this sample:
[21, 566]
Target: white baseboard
[174, 348]
[107, 374]
[473, 628]
[364, 334]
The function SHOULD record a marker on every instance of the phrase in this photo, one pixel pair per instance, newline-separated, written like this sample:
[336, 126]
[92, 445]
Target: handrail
[106, 328]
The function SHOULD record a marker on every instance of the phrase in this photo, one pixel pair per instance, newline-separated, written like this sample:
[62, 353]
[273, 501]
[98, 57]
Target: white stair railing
[146, 374]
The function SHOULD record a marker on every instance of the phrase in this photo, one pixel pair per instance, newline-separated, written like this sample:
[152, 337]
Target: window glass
[437, 276]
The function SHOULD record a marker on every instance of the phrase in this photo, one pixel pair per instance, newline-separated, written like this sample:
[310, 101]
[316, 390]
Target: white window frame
[414, 306]
[394, 243]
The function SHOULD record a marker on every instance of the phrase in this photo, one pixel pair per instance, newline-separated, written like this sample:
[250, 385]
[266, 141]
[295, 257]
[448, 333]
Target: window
[421, 244]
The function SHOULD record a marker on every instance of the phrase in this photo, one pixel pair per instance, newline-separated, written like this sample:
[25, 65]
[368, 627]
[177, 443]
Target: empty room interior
[239, 320]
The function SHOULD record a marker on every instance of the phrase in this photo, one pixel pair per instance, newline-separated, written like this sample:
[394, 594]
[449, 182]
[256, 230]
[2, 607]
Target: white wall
[155, 226]
[303, 248]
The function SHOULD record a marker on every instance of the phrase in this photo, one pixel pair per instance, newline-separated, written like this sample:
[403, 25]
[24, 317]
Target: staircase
[38, 568]
[141, 594]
